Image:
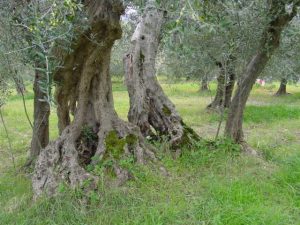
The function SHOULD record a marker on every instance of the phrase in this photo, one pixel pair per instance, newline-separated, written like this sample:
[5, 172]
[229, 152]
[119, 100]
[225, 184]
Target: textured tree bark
[96, 134]
[150, 108]
[270, 41]
[282, 87]
[40, 132]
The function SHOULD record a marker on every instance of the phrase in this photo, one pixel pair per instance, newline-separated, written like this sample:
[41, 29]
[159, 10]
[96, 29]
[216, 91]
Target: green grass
[267, 114]
[273, 113]
[210, 184]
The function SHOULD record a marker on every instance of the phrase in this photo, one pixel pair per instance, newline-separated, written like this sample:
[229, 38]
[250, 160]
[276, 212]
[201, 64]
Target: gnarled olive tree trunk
[150, 108]
[269, 42]
[96, 134]
[282, 87]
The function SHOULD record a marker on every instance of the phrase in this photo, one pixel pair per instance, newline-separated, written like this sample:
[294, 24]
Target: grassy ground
[207, 185]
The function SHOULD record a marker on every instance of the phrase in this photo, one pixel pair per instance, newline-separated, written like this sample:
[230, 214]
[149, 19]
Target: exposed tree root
[247, 149]
[281, 94]
[65, 160]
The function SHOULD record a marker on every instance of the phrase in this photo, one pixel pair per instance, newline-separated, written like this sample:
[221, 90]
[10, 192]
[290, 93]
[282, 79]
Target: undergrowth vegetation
[211, 183]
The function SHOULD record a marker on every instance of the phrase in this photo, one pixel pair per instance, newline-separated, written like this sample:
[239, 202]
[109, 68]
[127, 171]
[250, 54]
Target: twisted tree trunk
[97, 134]
[282, 87]
[270, 41]
[150, 108]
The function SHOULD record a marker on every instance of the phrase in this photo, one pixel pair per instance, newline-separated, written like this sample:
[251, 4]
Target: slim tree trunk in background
[269, 42]
[218, 101]
[204, 84]
[96, 134]
[40, 126]
[40, 133]
[149, 106]
[225, 85]
[282, 87]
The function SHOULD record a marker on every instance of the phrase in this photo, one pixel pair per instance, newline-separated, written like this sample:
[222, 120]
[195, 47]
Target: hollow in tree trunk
[96, 134]
[269, 42]
[150, 108]
[282, 87]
